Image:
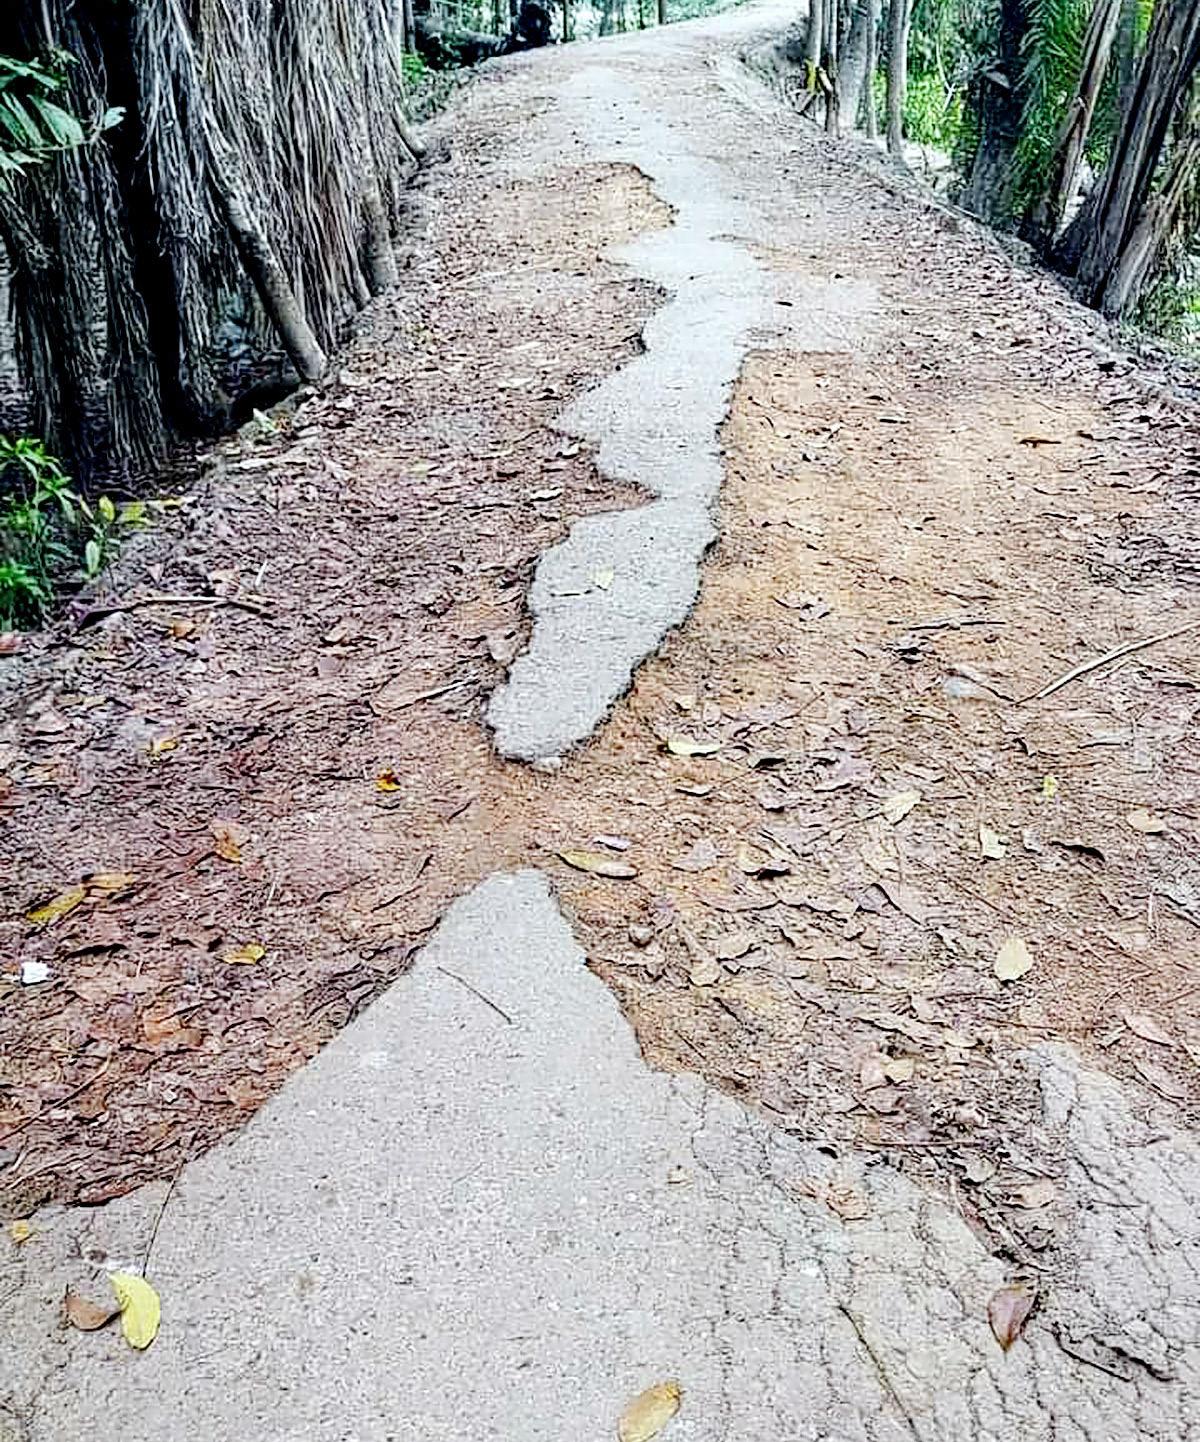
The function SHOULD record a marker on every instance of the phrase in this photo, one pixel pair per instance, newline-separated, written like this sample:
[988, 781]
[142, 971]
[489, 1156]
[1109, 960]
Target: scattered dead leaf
[226, 841]
[1009, 1310]
[1013, 959]
[1034, 1195]
[248, 955]
[992, 845]
[649, 1412]
[52, 911]
[20, 1231]
[161, 746]
[1161, 1080]
[1147, 1028]
[599, 864]
[109, 883]
[140, 1308]
[686, 746]
[86, 1315]
[1146, 822]
[900, 1070]
[705, 972]
[388, 781]
[897, 807]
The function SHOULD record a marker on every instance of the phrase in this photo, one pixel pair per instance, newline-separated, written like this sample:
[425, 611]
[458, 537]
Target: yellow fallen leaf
[162, 746]
[388, 781]
[140, 1308]
[108, 883]
[685, 746]
[604, 578]
[1049, 787]
[55, 910]
[649, 1412]
[246, 955]
[20, 1231]
[1146, 822]
[897, 807]
[992, 844]
[599, 864]
[225, 842]
[1013, 960]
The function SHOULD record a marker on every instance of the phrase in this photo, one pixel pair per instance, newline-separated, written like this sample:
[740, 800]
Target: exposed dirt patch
[227, 761]
[912, 541]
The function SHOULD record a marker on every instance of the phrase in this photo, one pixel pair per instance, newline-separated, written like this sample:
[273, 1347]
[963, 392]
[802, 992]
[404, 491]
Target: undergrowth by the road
[50, 535]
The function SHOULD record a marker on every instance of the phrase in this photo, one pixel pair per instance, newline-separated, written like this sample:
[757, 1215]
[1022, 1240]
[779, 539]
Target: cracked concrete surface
[477, 1223]
[655, 421]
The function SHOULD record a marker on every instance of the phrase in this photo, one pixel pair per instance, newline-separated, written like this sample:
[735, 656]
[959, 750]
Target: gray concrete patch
[654, 423]
[454, 1225]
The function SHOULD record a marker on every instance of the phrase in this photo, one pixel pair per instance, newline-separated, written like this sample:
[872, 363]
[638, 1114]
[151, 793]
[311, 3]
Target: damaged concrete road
[496, 1205]
[479, 1215]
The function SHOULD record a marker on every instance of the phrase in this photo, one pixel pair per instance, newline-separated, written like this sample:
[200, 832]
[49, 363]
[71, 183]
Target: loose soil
[913, 541]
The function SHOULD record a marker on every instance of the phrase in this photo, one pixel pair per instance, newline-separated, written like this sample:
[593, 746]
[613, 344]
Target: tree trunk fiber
[662, 12]
[1094, 243]
[1068, 149]
[872, 120]
[379, 256]
[1142, 254]
[410, 27]
[989, 192]
[263, 267]
[852, 69]
[829, 64]
[812, 41]
[899, 22]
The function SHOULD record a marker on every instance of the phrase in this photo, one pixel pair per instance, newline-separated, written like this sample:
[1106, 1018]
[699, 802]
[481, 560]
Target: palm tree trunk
[1142, 254]
[899, 22]
[1095, 242]
[1068, 149]
[989, 192]
[829, 64]
[872, 65]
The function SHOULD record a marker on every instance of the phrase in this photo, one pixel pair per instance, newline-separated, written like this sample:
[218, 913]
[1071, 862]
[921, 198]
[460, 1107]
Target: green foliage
[933, 113]
[1171, 309]
[414, 68]
[1053, 64]
[34, 123]
[47, 531]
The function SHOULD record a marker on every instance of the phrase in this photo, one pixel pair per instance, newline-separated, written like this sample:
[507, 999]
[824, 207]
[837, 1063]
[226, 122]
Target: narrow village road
[560, 877]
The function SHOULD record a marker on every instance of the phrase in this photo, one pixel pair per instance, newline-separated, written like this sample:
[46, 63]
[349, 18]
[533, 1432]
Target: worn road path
[480, 1213]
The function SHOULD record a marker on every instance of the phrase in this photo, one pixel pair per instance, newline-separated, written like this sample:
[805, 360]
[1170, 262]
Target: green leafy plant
[34, 121]
[47, 531]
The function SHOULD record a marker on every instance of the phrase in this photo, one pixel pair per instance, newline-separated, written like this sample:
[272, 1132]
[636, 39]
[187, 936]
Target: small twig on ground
[158, 1219]
[881, 1372]
[98, 613]
[487, 1001]
[1114, 655]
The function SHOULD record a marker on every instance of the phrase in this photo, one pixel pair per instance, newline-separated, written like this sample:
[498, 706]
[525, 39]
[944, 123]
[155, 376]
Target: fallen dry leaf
[20, 1231]
[55, 910]
[991, 844]
[1009, 1310]
[388, 781]
[702, 856]
[161, 746]
[1147, 1028]
[900, 1070]
[109, 883]
[897, 807]
[1034, 1194]
[705, 972]
[140, 1308]
[247, 955]
[604, 578]
[85, 1315]
[978, 1169]
[871, 1073]
[1146, 822]
[599, 864]
[1161, 1080]
[649, 1412]
[685, 746]
[1013, 960]
[226, 843]
[904, 899]
[1049, 787]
